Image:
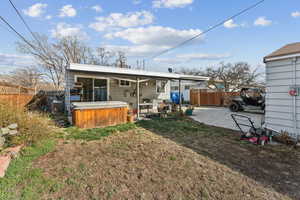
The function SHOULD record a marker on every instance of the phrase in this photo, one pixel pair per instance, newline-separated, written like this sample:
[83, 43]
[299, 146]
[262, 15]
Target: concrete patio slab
[221, 117]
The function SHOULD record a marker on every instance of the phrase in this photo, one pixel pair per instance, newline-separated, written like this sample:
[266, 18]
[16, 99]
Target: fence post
[198, 94]
[18, 99]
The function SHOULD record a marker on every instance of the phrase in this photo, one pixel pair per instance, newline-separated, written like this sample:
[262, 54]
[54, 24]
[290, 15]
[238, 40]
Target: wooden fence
[202, 97]
[15, 95]
[19, 100]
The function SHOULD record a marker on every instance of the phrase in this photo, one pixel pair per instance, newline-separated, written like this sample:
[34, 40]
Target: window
[187, 87]
[124, 83]
[93, 89]
[161, 86]
[174, 88]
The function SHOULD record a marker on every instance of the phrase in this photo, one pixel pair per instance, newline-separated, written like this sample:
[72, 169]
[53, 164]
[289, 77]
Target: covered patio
[94, 83]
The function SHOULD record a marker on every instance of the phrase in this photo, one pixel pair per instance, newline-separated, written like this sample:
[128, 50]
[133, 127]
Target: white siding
[279, 104]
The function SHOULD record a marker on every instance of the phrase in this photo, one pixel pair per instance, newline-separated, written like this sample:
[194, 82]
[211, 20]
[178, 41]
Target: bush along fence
[204, 97]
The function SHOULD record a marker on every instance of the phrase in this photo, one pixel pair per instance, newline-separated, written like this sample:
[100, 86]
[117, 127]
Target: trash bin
[175, 97]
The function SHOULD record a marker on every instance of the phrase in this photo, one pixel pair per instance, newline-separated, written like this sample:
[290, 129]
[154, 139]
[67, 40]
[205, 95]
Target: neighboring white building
[282, 87]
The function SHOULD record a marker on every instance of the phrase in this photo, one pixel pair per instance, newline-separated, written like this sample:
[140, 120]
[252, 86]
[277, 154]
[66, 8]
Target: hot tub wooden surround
[99, 114]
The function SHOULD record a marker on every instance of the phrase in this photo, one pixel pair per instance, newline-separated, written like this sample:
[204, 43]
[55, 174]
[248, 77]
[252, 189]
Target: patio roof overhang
[114, 71]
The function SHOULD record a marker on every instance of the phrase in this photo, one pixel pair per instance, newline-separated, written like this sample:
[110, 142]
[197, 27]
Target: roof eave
[280, 57]
[156, 75]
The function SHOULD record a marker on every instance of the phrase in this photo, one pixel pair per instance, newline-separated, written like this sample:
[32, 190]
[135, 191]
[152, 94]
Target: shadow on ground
[273, 166]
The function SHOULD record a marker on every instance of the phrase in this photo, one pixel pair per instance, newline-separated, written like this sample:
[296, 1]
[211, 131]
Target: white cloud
[97, 8]
[67, 11]
[15, 60]
[230, 24]
[147, 41]
[190, 57]
[35, 10]
[196, 56]
[136, 2]
[155, 35]
[171, 3]
[295, 14]
[116, 20]
[66, 30]
[262, 21]
[48, 17]
[136, 50]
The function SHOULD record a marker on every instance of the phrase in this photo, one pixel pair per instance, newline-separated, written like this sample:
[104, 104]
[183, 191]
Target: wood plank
[92, 118]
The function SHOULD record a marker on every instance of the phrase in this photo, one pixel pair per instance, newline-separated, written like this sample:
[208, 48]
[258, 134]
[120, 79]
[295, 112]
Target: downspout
[294, 62]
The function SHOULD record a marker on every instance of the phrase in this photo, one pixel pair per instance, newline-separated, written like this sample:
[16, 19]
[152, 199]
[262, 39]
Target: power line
[16, 32]
[5, 28]
[23, 20]
[209, 29]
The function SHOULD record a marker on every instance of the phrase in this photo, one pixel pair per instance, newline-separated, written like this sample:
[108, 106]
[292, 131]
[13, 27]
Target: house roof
[132, 72]
[287, 50]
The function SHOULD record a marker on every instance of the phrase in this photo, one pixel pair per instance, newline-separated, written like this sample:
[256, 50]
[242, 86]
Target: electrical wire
[23, 20]
[208, 30]
[16, 32]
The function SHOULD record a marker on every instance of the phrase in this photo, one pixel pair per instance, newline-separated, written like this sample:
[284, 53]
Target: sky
[143, 28]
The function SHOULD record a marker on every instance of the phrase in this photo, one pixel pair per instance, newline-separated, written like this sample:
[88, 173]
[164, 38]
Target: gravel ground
[221, 117]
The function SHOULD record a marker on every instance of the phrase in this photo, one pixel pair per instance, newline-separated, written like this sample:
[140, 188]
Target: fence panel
[202, 97]
[15, 95]
[19, 100]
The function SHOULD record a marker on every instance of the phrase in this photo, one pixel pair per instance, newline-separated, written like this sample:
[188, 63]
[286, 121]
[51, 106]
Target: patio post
[138, 97]
[179, 90]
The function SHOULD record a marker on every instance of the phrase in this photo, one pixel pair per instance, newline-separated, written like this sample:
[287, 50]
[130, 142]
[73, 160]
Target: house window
[187, 87]
[161, 86]
[174, 88]
[93, 89]
[124, 83]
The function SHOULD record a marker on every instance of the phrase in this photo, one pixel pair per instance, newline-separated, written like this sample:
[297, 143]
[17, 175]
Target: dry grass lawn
[171, 159]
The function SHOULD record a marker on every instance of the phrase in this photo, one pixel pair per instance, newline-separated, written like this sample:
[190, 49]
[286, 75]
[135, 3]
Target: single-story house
[94, 83]
[282, 90]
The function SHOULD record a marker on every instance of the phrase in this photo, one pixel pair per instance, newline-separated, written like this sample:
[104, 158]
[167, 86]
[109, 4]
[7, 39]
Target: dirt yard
[171, 159]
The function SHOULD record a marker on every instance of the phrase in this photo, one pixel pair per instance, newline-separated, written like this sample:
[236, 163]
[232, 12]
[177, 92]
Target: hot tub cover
[98, 105]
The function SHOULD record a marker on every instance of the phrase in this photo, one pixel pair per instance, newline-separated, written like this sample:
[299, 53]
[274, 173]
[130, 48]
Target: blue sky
[142, 28]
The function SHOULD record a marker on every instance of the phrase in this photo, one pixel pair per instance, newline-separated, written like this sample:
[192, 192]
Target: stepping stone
[4, 131]
[13, 126]
[4, 163]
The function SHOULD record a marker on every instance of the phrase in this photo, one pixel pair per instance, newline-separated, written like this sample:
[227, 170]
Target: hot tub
[99, 114]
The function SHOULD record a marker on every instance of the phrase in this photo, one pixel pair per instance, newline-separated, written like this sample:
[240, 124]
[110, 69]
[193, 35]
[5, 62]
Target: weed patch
[96, 133]
[33, 127]
[181, 127]
[22, 181]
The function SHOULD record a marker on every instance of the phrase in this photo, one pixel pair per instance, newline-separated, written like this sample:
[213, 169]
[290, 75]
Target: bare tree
[121, 60]
[54, 57]
[104, 56]
[231, 76]
[28, 77]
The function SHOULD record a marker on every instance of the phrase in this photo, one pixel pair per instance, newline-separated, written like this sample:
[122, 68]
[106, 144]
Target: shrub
[32, 127]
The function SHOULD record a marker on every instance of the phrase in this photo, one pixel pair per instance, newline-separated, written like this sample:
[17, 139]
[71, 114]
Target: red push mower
[248, 131]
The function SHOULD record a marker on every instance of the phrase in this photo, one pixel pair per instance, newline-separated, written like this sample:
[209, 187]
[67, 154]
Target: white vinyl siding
[279, 104]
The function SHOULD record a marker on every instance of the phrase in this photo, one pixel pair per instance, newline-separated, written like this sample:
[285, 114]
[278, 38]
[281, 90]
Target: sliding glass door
[100, 89]
[93, 89]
